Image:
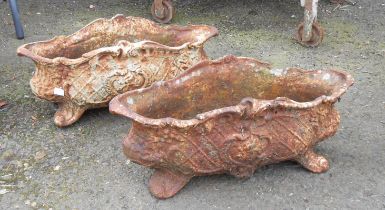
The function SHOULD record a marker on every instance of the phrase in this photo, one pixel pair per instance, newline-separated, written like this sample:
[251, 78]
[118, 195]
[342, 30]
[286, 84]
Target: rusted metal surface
[230, 116]
[108, 57]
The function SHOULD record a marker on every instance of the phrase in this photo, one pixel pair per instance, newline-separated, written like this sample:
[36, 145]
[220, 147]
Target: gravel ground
[82, 167]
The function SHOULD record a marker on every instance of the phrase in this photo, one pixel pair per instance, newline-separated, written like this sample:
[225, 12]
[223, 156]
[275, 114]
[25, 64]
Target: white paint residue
[58, 91]
[326, 77]
[278, 72]
[201, 37]
[130, 101]
[196, 73]
[185, 78]
[314, 8]
[159, 83]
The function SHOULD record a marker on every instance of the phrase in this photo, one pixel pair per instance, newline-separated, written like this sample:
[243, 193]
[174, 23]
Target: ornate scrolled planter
[230, 116]
[110, 56]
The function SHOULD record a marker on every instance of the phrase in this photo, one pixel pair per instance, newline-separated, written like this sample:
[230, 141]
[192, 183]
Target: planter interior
[101, 33]
[207, 93]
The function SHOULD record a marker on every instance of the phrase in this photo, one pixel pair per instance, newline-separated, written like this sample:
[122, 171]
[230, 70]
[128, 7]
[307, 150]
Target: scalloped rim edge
[24, 51]
[248, 105]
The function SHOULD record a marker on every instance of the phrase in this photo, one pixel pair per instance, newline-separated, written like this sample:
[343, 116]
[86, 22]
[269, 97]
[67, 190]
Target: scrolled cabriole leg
[67, 114]
[165, 184]
[313, 162]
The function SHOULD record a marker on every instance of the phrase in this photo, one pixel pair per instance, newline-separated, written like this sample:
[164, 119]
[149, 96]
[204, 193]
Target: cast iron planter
[108, 57]
[230, 116]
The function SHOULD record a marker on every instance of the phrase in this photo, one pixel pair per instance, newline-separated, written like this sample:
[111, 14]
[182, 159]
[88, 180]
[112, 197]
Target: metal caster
[309, 32]
[316, 37]
[162, 10]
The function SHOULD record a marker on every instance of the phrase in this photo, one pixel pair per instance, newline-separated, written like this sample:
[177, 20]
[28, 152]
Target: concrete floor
[82, 167]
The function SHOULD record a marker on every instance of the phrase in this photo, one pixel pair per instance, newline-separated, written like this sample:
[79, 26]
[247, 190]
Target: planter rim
[123, 47]
[247, 106]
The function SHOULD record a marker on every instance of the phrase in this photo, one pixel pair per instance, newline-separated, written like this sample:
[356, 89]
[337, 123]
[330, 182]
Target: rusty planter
[230, 116]
[107, 57]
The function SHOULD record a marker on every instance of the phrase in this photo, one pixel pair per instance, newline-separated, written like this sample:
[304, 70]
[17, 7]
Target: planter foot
[67, 114]
[165, 184]
[313, 162]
